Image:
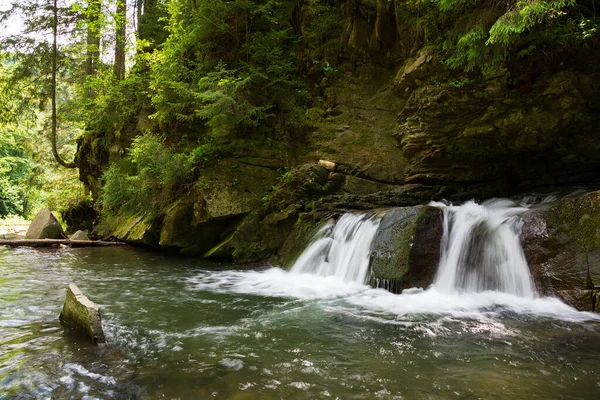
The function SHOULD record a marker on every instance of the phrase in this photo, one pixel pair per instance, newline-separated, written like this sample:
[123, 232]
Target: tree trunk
[93, 37]
[119, 66]
[53, 89]
[150, 25]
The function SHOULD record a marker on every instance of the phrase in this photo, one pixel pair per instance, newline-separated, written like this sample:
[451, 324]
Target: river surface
[181, 328]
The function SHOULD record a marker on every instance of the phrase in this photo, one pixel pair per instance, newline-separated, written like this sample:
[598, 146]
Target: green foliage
[29, 177]
[112, 105]
[14, 167]
[483, 31]
[229, 67]
[468, 49]
[524, 16]
[202, 153]
[149, 177]
[461, 83]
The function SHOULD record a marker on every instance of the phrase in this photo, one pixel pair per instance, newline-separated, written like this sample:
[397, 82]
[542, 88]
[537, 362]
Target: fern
[524, 16]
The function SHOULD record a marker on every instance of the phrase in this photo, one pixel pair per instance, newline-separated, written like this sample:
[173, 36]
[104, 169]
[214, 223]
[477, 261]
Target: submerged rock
[45, 226]
[82, 315]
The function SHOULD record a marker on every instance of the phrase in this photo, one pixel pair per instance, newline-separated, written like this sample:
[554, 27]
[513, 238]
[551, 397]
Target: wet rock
[406, 249]
[82, 315]
[583, 300]
[424, 256]
[300, 237]
[392, 244]
[45, 226]
[576, 222]
[561, 243]
[79, 235]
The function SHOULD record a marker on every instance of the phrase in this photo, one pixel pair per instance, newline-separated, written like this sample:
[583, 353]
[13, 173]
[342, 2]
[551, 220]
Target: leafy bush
[484, 31]
[150, 176]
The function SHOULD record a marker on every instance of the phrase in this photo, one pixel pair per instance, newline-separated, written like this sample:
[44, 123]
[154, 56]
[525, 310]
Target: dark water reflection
[170, 338]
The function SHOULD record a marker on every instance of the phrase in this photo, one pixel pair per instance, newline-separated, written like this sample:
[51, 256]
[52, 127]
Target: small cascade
[481, 249]
[391, 285]
[341, 249]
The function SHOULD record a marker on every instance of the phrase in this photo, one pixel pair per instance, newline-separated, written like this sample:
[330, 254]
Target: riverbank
[13, 228]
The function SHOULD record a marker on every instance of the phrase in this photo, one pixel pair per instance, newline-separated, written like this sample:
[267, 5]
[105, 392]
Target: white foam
[276, 282]
[81, 370]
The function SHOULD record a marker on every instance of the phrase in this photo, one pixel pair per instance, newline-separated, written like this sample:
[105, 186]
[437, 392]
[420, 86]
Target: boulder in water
[406, 250]
[45, 226]
[392, 243]
[82, 315]
[79, 235]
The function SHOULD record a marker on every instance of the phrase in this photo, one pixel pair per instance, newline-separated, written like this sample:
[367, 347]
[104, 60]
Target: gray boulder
[406, 250]
[82, 315]
[45, 226]
[79, 235]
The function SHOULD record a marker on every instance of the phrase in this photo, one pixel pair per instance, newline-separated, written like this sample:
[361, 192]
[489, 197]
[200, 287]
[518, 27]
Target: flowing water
[340, 249]
[481, 249]
[183, 328]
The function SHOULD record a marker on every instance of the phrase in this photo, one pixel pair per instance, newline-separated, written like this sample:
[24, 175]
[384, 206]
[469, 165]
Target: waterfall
[481, 249]
[341, 249]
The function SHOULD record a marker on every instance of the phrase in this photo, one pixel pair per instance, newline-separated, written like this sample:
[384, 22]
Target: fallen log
[57, 243]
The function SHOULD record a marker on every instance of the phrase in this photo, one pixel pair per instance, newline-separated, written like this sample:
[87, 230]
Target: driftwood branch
[57, 243]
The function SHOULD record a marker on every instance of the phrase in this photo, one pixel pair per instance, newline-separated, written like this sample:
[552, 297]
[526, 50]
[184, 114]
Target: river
[183, 328]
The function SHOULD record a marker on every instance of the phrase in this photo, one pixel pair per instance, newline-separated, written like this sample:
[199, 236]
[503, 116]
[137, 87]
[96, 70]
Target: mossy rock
[577, 218]
[178, 230]
[576, 221]
[300, 237]
[82, 315]
[133, 229]
[391, 246]
[406, 249]
[222, 251]
[583, 300]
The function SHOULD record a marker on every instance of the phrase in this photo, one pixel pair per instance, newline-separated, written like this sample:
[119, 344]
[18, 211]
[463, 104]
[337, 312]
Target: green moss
[391, 248]
[222, 251]
[130, 228]
[578, 218]
[303, 231]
